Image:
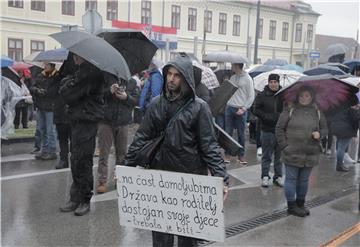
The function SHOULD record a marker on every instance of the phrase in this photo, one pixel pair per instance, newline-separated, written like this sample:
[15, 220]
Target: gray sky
[338, 17]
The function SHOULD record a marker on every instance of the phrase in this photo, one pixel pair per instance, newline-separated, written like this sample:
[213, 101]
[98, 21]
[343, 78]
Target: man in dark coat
[189, 145]
[83, 94]
[120, 99]
[42, 92]
[268, 108]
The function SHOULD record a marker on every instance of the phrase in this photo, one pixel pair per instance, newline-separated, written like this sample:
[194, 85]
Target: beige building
[286, 29]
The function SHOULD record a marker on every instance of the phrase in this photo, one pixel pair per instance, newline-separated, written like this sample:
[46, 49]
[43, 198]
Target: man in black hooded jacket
[83, 94]
[189, 145]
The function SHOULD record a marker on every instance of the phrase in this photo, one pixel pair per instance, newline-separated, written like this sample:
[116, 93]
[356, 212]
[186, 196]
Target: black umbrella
[94, 50]
[221, 96]
[324, 69]
[135, 47]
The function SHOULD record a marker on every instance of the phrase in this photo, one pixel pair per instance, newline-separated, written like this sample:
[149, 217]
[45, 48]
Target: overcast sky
[338, 17]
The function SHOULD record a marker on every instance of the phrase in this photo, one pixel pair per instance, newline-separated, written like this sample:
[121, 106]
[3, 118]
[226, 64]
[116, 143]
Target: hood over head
[184, 65]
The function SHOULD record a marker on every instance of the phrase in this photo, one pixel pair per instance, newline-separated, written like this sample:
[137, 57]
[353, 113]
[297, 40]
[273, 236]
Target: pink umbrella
[20, 66]
[331, 92]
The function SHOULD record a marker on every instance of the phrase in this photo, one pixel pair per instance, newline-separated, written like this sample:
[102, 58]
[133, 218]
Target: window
[208, 21]
[90, 4]
[222, 23]
[68, 7]
[38, 5]
[272, 30]
[236, 25]
[285, 31]
[175, 16]
[111, 10]
[145, 12]
[37, 46]
[261, 25]
[16, 3]
[310, 32]
[192, 19]
[15, 49]
[298, 32]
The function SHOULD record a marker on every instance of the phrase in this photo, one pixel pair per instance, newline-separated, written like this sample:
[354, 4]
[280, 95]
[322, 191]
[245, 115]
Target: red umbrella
[20, 66]
[331, 92]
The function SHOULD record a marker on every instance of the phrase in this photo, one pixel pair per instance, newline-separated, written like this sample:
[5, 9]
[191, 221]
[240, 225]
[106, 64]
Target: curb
[17, 140]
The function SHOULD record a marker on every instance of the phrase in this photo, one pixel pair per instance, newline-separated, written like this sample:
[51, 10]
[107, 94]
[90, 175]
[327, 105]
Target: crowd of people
[81, 102]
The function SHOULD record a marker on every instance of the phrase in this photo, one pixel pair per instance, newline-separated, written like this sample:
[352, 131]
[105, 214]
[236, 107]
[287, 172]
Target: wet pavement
[32, 191]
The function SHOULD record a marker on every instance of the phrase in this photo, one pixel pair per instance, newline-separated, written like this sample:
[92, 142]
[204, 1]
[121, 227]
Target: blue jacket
[152, 88]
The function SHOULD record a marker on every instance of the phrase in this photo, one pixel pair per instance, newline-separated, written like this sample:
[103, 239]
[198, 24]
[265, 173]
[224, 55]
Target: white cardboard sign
[171, 202]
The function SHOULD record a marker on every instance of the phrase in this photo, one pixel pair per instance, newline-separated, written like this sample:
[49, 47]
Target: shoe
[328, 152]
[293, 209]
[35, 151]
[265, 182]
[16, 127]
[101, 188]
[97, 152]
[62, 164]
[259, 152]
[348, 159]
[342, 168]
[242, 160]
[39, 156]
[25, 127]
[278, 182]
[69, 207]
[82, 209]
[227, 158]
[47, 156]
[301, 204]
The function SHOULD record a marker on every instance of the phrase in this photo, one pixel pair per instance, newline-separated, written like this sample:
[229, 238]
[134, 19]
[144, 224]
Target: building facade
[286, 29]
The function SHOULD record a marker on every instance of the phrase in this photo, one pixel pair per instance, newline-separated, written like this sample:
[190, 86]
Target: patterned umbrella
[331, 92]
[208, 77]
[6, 61]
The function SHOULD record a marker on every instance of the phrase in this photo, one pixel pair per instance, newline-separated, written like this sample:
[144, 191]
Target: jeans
[106, 135]
[220, 120]
[296, 182]
[341, 146]
[47, 131]
[234, 121]
[270, 147]
[37, 137]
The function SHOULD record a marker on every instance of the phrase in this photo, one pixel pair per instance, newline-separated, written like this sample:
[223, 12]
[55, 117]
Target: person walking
[298, 131]
[152, 87]
[237, 107]
[267, 108]
[83, 94]
[42, 91]
[189, 143]
[120, 99]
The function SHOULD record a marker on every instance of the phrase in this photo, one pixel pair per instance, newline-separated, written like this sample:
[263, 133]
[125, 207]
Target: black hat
[275, 77]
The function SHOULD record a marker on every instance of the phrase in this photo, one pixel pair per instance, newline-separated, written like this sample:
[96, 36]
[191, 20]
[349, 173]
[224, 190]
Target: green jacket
[294, 135]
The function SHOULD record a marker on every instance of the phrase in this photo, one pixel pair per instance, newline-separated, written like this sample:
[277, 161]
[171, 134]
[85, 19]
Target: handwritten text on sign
[176, 203]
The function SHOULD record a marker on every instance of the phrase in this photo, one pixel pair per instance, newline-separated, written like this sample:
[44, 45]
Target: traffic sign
[314, 54]
[92, 20]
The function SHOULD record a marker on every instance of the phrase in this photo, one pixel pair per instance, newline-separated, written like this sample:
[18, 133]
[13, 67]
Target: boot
[293, 209]
[69, 206]
[82, 209]
[62, 164]
[101, 188]
[301, 204]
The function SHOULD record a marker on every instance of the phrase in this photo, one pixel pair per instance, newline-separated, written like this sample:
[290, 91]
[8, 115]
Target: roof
[292, 6]
[323, 41]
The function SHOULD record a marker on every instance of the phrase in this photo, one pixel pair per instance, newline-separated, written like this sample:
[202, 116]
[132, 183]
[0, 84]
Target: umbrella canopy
[94, 50]
[340, 66]
[294, 67]
[278, 62]
[56, 55]
[222, 74]
[208, 77]
[20, 66]
[261, 69]
[6, 61]
[324, 69]
[30, 59]
[224, 57]
[336, 49]
[352, 64]
[287, 77]
[331, 92]
[134, 46]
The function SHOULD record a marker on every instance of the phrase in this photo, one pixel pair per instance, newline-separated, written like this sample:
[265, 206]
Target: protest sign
[171, 202]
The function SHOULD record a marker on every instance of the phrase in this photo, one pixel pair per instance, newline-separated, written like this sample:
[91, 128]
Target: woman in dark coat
[298, 132]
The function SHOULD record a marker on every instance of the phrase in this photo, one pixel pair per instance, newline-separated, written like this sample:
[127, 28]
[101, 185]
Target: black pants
[161, 239]
[21, 112]
[64, 137]
[82, 150]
